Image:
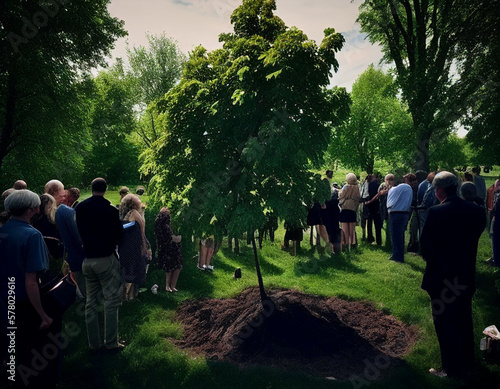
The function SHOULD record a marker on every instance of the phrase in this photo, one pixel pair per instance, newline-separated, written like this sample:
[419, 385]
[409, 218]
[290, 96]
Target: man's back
[99, 226]
[66, 224]
[480, 186]
[449, 244]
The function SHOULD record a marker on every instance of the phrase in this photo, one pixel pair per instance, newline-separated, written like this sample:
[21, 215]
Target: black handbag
[57, 292]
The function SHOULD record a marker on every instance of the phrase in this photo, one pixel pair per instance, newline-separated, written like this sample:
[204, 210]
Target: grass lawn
[147, 325]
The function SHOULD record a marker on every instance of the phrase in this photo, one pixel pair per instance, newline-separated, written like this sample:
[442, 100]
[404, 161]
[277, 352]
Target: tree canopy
[379, 127]
[154, 70]
[45, 47]
[110, 151]
[245, 125]
[422, 39]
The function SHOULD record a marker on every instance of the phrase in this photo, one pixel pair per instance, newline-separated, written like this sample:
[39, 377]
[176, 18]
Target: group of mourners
[103, 251]
[447, 215]
[98, 249]
[398, 203]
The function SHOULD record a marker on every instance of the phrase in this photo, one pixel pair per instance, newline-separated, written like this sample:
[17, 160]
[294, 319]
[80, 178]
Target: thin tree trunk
[263, 295]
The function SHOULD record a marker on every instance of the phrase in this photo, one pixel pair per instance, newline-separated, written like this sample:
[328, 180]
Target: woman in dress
[169, 249]
[349, 198]
[132, 248]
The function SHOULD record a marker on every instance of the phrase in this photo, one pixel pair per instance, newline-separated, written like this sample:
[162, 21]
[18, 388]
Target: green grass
[149, 328]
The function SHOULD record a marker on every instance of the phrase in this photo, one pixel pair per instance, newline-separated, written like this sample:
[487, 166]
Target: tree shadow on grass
[324, 264]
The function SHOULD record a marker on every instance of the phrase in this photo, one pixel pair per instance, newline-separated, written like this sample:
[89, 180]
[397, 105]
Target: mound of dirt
[325, 337]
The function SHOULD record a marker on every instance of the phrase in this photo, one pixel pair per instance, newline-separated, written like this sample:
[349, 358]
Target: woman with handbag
[133, 246]
[349, 198]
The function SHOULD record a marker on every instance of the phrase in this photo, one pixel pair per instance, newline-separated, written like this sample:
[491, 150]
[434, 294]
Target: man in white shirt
[399, 201]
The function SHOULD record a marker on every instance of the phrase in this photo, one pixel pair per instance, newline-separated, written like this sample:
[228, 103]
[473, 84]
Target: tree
[450, 154]
[378, 128]
[111, 152]
[45, 47]
[154, 70]
[421, 38]
[244, 126]
[480, 85]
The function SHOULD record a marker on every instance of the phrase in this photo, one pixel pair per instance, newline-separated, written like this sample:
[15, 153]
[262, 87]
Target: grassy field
[148, 327]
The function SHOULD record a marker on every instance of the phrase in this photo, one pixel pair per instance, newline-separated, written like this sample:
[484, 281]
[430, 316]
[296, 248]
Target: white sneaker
[210, 267]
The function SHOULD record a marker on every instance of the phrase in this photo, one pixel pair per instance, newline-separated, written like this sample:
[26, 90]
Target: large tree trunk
[263, 295]
[422, 155]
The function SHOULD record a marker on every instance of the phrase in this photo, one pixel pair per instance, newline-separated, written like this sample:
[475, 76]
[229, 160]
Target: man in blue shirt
[66, 224]
[23, 254]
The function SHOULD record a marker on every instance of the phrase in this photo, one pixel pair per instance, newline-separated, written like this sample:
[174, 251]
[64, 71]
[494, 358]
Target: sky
[199, 22]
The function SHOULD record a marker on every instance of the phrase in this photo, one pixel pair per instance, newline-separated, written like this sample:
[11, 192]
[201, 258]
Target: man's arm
[34, 296]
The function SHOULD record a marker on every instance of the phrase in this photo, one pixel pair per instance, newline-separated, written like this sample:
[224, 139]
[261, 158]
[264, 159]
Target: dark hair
[74, 192]
[99, 185]
[124, 190]
[421, 175]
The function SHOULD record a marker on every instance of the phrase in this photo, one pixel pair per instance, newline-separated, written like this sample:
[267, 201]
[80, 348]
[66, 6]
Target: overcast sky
[195, 22]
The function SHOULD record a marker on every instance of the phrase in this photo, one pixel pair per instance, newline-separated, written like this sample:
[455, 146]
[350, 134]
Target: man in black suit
[449, 245]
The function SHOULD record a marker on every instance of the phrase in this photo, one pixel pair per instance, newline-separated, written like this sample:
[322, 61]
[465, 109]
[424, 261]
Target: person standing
[373, 206]
[399, 199]
[55, 188]
[133, 247]
[66, 224]
[72, 196]
[479, 182]
[100, 228]
[413, 244]
[449, 246]
[349, 198]
[495, 237]
[22, 255]
[169, 249]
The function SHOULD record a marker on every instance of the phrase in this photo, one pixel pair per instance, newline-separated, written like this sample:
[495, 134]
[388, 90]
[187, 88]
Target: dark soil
[325, 337]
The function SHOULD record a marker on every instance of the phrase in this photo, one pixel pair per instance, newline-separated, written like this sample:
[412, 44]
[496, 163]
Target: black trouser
[38, 356]
[374, 218]
[453, 323]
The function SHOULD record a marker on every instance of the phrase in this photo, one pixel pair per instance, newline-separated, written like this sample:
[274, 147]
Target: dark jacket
[449, 245]
[99, 226]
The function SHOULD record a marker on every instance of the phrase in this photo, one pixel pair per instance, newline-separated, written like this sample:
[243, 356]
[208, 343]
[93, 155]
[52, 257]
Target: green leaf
[275, 74]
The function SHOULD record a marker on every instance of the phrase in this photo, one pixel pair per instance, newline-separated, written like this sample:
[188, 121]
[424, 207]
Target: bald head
[20, 184]
[445, 184]
[55, 188]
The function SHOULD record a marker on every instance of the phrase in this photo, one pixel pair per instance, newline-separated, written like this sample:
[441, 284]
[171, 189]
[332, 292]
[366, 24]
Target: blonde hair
[351, 179]
[129, 203]
[48, 206]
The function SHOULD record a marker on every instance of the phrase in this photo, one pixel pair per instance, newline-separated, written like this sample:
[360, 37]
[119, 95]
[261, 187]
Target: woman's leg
[203, 255]
[174, 278]
[168, 282]
[350, 238]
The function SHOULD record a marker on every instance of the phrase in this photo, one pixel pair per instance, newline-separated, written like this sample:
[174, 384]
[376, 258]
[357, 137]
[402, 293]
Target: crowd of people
[101, 250]
[104, 250]
[393, 204]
